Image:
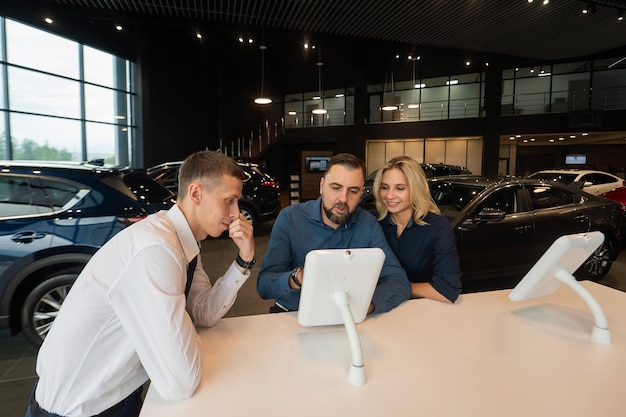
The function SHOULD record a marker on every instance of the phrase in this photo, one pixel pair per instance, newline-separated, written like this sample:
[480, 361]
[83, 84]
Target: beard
[336, 218]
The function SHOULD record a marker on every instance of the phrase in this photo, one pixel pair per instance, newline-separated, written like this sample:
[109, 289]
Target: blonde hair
[419, 193]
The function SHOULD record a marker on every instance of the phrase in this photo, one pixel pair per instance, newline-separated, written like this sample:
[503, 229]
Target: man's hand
[242, 234]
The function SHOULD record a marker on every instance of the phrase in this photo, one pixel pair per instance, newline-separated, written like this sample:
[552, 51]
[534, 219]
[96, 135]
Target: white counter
[483, 356]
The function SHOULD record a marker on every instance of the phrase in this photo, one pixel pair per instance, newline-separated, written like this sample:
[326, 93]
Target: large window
[565, 87]
[439, 98]
[61, 100]
[300, 109]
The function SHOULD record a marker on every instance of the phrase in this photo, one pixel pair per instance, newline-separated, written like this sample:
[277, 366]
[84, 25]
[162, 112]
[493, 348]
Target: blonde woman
[420, 237]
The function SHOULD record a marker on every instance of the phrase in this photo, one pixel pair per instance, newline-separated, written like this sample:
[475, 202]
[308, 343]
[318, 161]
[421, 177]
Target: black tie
[190, 270]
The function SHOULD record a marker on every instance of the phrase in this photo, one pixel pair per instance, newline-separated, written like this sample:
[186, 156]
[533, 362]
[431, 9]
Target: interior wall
[453, 151]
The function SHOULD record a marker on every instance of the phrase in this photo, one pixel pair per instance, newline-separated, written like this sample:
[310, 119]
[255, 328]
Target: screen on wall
[575, 159]
[316, 163]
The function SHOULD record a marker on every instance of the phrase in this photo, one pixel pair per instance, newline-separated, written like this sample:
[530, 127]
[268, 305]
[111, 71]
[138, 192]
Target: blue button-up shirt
[299, 229]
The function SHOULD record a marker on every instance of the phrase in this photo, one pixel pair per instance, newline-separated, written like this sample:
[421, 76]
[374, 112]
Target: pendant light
[389, 106]
[320, 109]
[262, 99]
[413, 104]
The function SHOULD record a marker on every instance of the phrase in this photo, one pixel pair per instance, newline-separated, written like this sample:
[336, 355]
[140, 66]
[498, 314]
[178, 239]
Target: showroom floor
[17, 357]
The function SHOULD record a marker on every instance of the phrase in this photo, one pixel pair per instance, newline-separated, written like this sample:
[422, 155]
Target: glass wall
[565, 87]
[306, 109]
[61, 100]
[609, 84]
[437, 98]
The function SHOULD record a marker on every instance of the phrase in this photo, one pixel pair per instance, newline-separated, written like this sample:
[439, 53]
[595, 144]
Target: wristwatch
[294, 276]
[244, 264]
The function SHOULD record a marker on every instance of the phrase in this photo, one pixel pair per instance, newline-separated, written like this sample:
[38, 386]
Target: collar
[184, 233]
[388, 219]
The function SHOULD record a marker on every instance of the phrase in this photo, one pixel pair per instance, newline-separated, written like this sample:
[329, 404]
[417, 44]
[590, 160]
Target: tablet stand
[600, 332]
[356, 375]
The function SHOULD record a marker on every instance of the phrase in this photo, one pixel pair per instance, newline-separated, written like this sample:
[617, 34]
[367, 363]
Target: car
[53, 218]
[503, 226]
[367, 200]
[619, 195]
[260, 200]
[593, 182]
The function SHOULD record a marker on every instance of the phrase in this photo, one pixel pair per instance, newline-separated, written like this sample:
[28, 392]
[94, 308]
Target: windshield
[453, 196]
[554, 176]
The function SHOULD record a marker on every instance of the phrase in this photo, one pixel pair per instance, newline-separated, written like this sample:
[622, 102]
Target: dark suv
[260, 200]
[53, 218]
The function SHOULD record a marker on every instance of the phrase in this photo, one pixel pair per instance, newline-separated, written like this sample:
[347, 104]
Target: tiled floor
[17, 358]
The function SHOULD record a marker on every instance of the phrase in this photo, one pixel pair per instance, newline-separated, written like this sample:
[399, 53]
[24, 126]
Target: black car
[367, 200]
[53, 218]
[503, 226]
[260, 200]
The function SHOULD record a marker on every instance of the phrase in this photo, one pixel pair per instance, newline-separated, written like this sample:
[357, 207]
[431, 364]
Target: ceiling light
[420, 85]
[306, 46]
[532, 70]
[545, 2]
[199, 35]
[467, 63]
[261, 99]
[320, 109]
[118, 27]
[620, 15]
[452, 82]
[530, 1]
[413, 104]
[48, 20]
[240, 39]
[292, 113]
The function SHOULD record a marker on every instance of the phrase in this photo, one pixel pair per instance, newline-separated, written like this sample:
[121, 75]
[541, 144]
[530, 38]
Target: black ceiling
[556, 31]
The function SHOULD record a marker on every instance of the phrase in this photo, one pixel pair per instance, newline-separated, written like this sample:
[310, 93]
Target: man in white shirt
[128, 317]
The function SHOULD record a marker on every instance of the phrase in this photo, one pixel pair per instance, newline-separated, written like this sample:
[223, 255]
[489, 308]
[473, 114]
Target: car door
[26, 219]
[494, 248]
[556, 212]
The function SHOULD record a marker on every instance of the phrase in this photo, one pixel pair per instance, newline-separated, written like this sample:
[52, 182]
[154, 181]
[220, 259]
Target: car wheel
[42, 305]
[599, 263]
[249, 215]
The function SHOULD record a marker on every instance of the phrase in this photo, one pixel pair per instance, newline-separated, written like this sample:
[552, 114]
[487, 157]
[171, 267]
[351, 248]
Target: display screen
[316, 163]
[575, 159]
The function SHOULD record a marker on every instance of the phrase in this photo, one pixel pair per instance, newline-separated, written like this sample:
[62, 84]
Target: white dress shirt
[126, 320]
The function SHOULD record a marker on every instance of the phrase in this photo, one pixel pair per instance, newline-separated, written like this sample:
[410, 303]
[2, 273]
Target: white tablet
[353, 271]
[566, 253]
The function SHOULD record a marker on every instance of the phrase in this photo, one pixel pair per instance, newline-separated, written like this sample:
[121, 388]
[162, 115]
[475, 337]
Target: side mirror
[490, 214]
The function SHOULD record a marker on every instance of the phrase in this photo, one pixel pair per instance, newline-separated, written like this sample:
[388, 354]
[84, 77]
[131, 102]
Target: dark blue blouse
[427, 253]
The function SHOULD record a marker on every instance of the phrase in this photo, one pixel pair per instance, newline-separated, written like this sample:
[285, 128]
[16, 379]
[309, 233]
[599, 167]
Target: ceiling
[556, 31]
